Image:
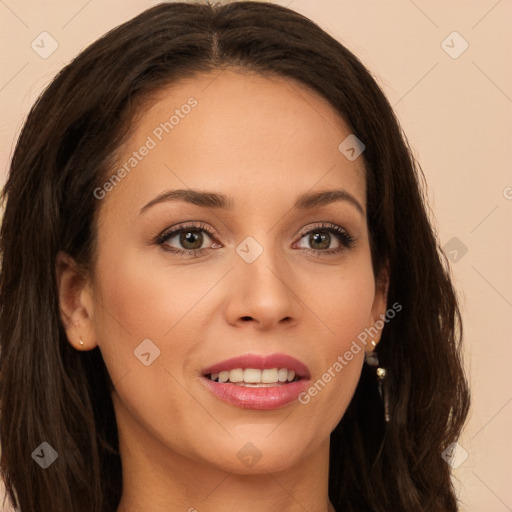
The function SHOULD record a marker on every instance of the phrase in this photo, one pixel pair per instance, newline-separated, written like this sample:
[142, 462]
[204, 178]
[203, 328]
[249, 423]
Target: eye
[321, 237]
[189, 238]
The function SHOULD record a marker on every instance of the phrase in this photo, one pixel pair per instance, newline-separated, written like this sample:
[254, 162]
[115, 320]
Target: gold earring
[372, 359]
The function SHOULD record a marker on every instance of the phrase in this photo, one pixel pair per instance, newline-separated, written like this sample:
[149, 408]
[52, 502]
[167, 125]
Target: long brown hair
[51, 392]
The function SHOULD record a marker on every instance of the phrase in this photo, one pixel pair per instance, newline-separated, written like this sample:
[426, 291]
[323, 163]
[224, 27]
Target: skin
[262, 142]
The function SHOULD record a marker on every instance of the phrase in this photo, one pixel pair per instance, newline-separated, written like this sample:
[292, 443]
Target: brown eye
[192, 239]
[320, 241]
[187, 240]
[320, 238]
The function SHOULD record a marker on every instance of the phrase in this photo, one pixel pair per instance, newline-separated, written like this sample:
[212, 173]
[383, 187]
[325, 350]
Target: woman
[220, 289]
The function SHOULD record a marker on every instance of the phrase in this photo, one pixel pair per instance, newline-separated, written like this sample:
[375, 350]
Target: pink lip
[261, 362]
[271, 397]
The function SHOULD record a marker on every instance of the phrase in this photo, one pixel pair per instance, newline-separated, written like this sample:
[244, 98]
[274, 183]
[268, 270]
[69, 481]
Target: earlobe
[76, 314]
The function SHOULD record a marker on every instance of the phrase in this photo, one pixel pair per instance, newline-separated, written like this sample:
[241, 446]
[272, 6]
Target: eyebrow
[220, 201]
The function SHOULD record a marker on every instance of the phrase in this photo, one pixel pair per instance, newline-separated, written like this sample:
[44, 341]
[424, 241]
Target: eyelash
[347, 241]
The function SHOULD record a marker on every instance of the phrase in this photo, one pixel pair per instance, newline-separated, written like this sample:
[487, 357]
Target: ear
[379, 306]
[76, 304]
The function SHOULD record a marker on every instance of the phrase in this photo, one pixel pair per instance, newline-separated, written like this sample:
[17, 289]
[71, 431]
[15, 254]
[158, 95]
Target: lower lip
[257, 398]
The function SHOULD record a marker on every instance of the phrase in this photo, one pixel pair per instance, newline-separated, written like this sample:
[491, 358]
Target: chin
[258, 454]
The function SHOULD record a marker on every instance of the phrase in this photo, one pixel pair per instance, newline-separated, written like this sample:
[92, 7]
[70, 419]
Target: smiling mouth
[255, 377]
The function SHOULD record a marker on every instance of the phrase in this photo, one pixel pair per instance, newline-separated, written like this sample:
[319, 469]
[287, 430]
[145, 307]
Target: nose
[261, 292]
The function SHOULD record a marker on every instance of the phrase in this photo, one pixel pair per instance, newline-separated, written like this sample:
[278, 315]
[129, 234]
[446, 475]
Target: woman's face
[263, 276]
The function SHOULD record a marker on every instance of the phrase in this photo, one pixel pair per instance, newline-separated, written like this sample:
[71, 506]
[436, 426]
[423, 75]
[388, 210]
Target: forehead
[249, 135]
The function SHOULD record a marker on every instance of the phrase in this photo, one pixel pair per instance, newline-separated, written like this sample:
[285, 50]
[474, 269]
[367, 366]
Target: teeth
[269, 375]
[254, 376]
[282, 374]
[236, 375]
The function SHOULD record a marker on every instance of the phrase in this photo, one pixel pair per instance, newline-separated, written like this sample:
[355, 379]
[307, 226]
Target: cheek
[145, 298]
[140, 298]
[344, 305]
[342, 300]
[137, 301]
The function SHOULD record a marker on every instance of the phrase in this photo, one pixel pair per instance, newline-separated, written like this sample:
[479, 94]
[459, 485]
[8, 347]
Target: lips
[257, 382]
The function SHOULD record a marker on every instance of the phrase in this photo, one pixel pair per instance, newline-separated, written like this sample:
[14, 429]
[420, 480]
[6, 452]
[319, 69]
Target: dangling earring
[371, 359]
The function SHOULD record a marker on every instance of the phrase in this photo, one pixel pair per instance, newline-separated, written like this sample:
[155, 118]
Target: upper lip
[260, 361]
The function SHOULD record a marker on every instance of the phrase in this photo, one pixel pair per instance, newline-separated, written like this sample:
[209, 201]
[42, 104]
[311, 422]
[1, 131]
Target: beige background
[457, 115]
